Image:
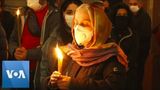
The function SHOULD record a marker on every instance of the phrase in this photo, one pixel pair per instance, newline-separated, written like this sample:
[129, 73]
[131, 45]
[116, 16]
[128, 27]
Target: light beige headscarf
[100, 22]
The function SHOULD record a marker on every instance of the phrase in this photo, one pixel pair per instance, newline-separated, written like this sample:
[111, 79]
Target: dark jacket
[50, 29]
[3, 49]
[128, 41]
[108, 75]
[3, 44]
[7, 21]
[155, 56]
[141, 24]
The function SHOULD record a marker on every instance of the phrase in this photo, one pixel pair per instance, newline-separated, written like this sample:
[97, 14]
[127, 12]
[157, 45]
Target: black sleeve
[145, 40]
[34, 53]
[13, 40]
[3, 44]
[3, 49]
[48, 63]
[146, 27]
[133, 50]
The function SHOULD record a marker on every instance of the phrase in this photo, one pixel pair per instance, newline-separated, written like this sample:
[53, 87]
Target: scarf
[92, 56]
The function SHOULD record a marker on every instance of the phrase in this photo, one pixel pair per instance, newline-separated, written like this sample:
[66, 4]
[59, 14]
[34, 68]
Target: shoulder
[53, 9]
[144, 14]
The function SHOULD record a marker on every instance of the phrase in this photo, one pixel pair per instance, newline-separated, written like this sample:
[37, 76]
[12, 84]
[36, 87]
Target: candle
[60, 58]
[18, 12]
[18, 27]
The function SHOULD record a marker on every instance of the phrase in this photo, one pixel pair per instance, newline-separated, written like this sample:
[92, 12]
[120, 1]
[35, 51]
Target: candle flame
[59, 53]
[18, 12]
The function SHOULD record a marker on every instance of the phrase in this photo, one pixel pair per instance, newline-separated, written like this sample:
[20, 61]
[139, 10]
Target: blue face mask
[121, 22]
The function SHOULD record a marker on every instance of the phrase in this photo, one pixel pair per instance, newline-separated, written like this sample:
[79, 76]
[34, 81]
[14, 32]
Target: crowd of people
[105, 43]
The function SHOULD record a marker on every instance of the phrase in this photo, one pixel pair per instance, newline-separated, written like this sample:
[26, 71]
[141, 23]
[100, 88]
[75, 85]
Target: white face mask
[68, 19]
[82, 36]
[134, 9]
[34, 4]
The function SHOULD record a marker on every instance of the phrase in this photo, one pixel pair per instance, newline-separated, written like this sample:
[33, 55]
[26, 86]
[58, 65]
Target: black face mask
[121, 22]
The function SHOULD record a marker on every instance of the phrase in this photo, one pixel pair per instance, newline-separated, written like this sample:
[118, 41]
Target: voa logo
[16, 74]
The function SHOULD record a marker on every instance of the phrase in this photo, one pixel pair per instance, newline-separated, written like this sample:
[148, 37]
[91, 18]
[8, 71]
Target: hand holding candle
[57, 74]
[60, 58]
[57, 80]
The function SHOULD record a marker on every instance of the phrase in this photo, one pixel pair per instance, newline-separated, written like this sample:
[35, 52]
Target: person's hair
[120, 6]
[67, 2]
[98, 4]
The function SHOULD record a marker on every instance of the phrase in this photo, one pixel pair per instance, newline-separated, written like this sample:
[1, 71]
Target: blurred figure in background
[111, 7]
[141, 24]
[7, 19]
[155, 53]
[3, 50]
[127, 39]
[25, 46]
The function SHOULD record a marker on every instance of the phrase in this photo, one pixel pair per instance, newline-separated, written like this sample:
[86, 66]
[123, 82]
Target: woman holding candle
[96, 63]
[48, 62]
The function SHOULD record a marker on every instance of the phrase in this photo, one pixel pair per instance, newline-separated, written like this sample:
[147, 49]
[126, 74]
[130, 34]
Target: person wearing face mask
[141, 24]
[91, 62]
[68, 9]
[127, 39]
[31, 18]
[109, 10]
[62, 36]
[49, 21]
